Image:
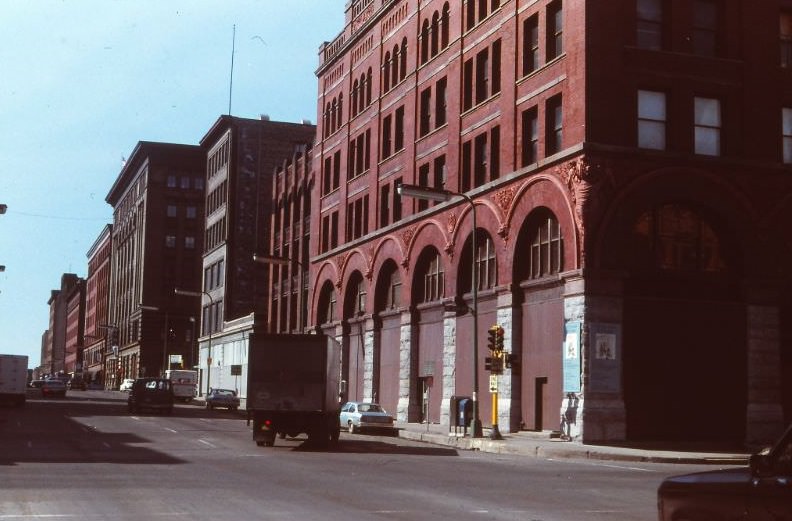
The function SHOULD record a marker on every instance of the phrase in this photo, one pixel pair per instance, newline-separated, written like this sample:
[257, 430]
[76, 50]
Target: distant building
[97, 308]
[632, 189]
[241, 158]
[157, 240]
[54, 362]
[290, 226]
[75, 327]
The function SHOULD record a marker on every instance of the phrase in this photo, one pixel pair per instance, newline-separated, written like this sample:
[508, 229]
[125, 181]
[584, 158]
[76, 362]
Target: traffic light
[499, 333]
[512, 362]
[488, 363]
[492, 338]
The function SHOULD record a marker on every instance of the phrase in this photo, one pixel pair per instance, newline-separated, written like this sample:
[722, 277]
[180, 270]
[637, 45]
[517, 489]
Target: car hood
[716, 481]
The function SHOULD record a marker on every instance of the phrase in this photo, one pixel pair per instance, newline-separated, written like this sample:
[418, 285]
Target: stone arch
[681, 317]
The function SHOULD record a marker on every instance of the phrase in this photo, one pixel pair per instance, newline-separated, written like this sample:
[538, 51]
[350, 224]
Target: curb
[572, 450]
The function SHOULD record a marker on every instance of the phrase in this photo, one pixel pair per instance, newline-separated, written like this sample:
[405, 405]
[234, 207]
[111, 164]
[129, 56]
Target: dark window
[530, 45]
[385, 208]
[705, 27]
[482, 76]
[441, 102]
[554, 118]
[467, 85]
[649, 24]
[398, 141]
[530, 136]
[433, 279]
[425, 124]
[494, 153]
[545, 245]
[397, 202]
[555, 30]
[467, 165]
[387, 123]
[786, 39]
[423, 180]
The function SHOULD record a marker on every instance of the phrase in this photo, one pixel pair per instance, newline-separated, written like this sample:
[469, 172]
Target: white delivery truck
[13, 379]
[184, 383]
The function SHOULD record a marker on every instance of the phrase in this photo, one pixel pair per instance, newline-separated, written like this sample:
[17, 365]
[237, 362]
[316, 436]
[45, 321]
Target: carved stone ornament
[340, 261]
[451, 222]
[407, 236]
[504, 198]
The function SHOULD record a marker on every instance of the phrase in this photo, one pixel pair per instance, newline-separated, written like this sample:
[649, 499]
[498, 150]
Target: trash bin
[459, 416]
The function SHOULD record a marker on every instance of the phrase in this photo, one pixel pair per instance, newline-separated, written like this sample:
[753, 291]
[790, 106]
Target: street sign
[493, 383]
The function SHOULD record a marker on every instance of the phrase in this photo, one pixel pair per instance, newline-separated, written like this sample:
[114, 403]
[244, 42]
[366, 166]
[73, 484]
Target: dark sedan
[762, 491]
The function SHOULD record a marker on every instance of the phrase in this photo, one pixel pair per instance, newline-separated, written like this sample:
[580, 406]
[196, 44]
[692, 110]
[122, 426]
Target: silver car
[358, 416]
[222, 398]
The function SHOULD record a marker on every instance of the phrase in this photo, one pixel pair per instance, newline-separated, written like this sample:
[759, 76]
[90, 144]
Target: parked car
[77, 383]
[222, 398]
[358, 416]
[762, 490]
[36, 384]
[151, 393]
[53, 387]
[126, 385]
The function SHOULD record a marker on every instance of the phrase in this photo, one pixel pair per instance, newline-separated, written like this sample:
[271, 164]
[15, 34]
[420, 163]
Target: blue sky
[82, 81]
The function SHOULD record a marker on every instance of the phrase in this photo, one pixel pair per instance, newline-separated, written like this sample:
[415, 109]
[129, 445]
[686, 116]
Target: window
[170, 241]
[425, 116]
[786, 39]
[485, 262]
[357, 218]
[398, 138]
[707, 125]
[786, 117]
[433, 279]
[423, 180]
[172, 211]
[530, 45]
[481, 159]
[555, 30]
[649, 24]
[336, 169]
[385, 207]
[705, 27]
[441, 102]
[397, 202]
[387, 123]
[185, 183]
[171, 181]
[481, 76]
[393, 297]
[530, 136]
[478, 10]
[545, 245]
[651, 119]
[358, 160]
[189, 242]
[198, 183]
[554, 117]
[192, 212]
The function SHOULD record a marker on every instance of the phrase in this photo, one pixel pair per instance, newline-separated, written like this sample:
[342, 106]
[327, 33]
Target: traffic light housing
[494, 364]
[492, 338]
[488, 363]
[512, 362]
[499, 334]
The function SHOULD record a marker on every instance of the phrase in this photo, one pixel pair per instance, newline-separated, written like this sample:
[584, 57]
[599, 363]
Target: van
[184, 382]
[151, 393]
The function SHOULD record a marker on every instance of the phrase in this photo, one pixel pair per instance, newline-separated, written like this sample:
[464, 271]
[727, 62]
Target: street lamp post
[285, 261]
[434, 194]
[188, 293]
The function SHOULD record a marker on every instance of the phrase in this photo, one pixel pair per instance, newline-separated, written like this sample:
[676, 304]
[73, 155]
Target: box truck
[13, 379]
[293, 387]
[184, 383]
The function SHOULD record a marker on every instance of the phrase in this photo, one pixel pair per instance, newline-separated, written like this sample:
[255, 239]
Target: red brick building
[75, 327]
[157, 241]
[632, 184]
[97, 307]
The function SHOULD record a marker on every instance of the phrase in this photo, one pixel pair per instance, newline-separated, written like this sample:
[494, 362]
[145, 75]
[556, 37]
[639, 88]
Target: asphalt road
[85, 457]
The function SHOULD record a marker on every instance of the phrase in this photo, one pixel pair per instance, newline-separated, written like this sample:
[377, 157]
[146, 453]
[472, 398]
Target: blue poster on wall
[605, 357]
[571, 357]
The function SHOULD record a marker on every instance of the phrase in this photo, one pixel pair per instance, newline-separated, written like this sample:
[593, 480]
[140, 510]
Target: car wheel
[351, 427]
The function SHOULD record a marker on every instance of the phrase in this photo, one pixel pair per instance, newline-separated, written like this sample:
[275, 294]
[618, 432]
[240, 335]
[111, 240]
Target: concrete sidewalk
[541, 445]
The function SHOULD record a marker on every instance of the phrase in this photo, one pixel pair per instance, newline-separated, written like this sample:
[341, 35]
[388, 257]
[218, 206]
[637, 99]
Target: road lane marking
[207, 443]
[172, 430]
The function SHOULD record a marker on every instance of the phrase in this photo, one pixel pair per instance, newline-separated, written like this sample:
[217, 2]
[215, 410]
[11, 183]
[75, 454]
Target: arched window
[326, 121]
[340, 113]
[425, 42]
[444, 23]
[389, 287]
[435, 33]
[545, 245]
[327, 304]
[433, 277]
[395, 66]
[403, 60]
[675, 238]
[486, 263]
[353, 106]
[368, 87]
[333, 111]
[386, 73]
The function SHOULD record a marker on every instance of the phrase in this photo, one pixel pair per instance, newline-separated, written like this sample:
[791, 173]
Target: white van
[184, 383]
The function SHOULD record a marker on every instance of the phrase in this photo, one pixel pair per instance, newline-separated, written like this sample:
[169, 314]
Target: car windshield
[369, 407]
[225, 392]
